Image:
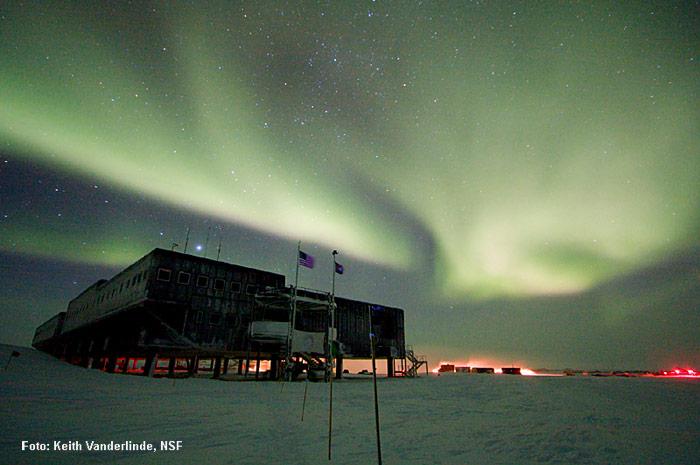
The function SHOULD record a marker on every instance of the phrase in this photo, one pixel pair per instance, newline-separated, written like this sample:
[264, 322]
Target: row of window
[184, 278]
[109, 295]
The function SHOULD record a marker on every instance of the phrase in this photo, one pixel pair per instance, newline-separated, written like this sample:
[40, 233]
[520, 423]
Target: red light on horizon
[678, 373]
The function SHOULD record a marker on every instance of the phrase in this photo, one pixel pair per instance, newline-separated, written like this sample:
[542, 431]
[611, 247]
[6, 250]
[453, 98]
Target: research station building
[176, 314]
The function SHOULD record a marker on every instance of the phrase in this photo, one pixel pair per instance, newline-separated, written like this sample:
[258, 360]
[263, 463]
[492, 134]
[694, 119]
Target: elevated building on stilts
[176, 314]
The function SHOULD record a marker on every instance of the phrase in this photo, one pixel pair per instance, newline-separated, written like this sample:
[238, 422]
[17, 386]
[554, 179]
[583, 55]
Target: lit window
[219, 284]
[163, 275]
[183, 278]
[202, 281]
[235, 287]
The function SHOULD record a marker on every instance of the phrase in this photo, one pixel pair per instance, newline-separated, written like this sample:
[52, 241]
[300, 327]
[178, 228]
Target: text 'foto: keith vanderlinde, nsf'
[94, 446]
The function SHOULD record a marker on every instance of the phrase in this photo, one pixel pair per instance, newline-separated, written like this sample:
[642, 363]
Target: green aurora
[545, 149]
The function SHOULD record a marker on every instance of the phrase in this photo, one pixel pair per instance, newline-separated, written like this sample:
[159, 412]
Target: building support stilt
[194, 365]
[111, 363]
[338, 367]
[274, 367]
[95, 361]
[257, 365]
[247, 364]
[149, 367]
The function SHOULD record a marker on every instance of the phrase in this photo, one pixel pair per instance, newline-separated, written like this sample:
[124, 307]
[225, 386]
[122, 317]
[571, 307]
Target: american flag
[306, 259]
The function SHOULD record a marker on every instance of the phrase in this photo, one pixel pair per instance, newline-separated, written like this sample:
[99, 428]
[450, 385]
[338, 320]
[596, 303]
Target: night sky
[523, 178]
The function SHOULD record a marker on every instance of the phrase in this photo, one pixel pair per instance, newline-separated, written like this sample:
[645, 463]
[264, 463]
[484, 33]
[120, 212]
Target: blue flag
[339, 268]
[306, 259]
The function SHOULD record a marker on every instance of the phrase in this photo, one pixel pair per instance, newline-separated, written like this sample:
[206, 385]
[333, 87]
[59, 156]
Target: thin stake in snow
[374, 379]
[303, 405]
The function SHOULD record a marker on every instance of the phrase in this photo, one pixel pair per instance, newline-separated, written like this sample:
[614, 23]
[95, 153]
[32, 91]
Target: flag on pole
[306, 259]
[339, 268]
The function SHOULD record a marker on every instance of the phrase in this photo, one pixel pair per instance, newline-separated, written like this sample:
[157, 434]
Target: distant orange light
[527, 372]
[437, 368]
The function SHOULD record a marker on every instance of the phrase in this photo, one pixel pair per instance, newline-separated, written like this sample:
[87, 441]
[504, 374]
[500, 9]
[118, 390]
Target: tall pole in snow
[333, 306]
[372, 338]
[331, 338]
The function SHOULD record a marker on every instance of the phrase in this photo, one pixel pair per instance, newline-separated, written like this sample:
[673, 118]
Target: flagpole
[331, 321]
[331, 317]
[335, 252]
[293, 319]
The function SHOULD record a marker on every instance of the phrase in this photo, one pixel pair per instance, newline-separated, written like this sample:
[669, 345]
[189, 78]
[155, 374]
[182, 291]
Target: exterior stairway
[314, 365]
[314, 361]
[415, 363]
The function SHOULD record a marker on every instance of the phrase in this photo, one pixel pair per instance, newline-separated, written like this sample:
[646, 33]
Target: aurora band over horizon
[542, 153]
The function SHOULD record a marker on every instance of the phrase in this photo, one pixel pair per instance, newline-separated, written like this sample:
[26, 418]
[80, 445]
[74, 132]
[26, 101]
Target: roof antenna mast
[187, 239]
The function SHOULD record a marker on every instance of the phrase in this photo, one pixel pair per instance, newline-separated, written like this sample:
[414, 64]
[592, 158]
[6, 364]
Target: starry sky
[523, 178]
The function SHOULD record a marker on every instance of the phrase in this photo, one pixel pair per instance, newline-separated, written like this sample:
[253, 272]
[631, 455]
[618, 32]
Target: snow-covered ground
[451, 419]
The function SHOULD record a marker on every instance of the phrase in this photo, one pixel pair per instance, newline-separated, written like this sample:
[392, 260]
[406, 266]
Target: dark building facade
[169, 310]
